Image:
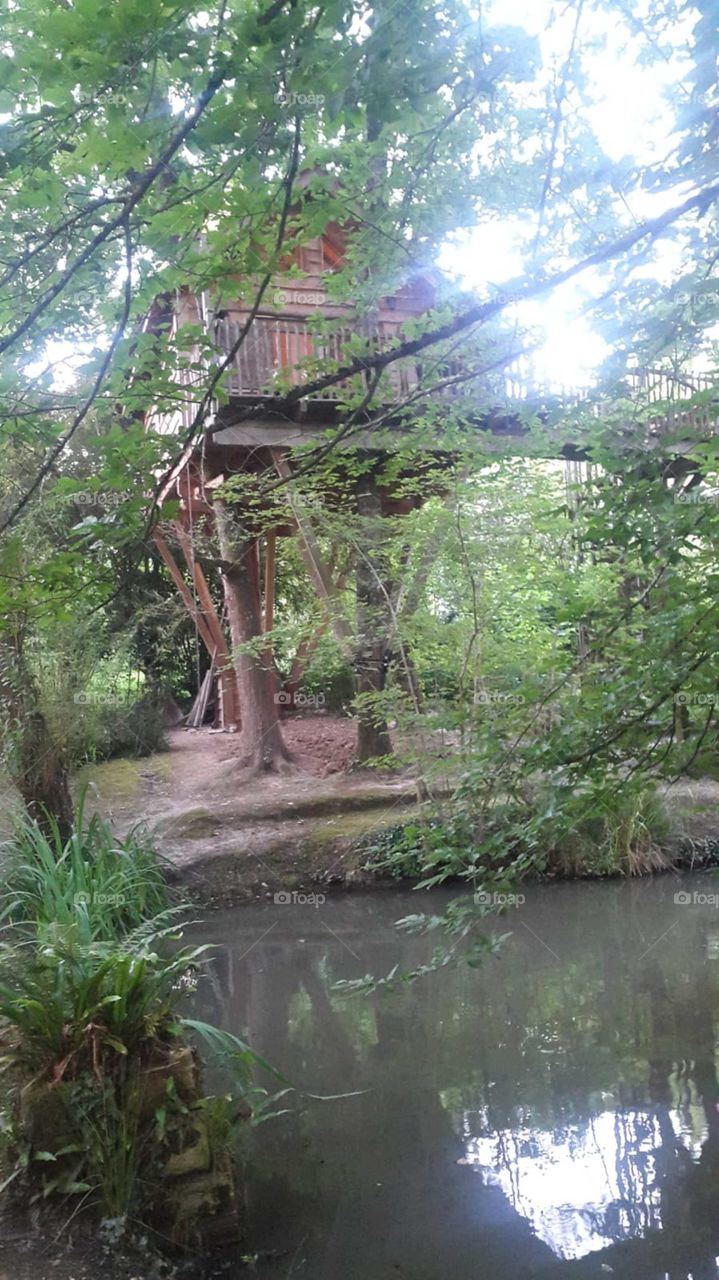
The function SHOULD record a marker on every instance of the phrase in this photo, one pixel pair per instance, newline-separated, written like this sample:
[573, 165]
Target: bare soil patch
[233, 838]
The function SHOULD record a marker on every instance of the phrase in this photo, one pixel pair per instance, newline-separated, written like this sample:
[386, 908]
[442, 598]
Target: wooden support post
[312, 559]
[269, 609]
[207, 604]
[229, 698]
[172, 567]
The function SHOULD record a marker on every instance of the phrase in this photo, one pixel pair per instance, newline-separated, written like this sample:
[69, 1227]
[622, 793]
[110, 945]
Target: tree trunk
[34, 762]
[261, 741]
[373, 624]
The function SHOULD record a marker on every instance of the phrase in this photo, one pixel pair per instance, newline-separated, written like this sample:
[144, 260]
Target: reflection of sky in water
[582, 1187]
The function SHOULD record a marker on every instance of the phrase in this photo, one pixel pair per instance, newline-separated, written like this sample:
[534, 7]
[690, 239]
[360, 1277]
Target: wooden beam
[173, 569]
[203, 591]
[225, 667]
[312, 558]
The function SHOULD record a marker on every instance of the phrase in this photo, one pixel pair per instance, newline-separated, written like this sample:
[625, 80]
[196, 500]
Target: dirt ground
[35, 1256]
[233, 838]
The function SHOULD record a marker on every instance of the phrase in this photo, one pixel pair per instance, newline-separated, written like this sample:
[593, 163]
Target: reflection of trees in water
[635, 1211]
[525, 1044]
[581, 1187]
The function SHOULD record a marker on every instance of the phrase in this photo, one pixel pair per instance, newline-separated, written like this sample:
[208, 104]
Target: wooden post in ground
[229, 699]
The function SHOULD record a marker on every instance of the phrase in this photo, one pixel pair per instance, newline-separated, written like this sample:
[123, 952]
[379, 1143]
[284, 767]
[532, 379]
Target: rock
[202, 1209]
[178, 1063]
[44, 1118]
[193, 1154]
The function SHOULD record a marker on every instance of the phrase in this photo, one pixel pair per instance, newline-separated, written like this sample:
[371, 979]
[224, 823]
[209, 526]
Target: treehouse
[268, 352]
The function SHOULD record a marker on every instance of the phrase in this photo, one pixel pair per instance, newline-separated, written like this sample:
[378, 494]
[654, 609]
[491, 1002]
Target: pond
[551, 1114]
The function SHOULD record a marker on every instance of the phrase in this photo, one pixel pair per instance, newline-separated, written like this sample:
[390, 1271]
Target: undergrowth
[101, 1075]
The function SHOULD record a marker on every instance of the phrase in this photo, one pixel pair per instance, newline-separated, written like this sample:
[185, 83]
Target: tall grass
[101, 886]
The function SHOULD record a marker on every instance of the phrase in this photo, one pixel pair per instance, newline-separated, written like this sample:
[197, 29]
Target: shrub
[106, 1087]
[81, 1006]
[99, 731]
[601, 827]
[607, 828]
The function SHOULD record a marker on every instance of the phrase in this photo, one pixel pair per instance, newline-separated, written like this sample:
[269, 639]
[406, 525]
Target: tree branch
[139, 191]
[109, 356]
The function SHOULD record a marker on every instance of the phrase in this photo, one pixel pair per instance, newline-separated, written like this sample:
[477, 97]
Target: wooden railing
[282, 351]
[277, 352]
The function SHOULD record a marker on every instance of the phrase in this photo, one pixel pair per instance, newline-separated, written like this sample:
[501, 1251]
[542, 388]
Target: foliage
[544, 645]
[130, 730]
[80, 1005]
[98, 885]
[92, 980]
[148, 148]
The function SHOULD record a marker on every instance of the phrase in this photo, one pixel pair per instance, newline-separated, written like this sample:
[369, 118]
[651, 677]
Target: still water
[552, 1114]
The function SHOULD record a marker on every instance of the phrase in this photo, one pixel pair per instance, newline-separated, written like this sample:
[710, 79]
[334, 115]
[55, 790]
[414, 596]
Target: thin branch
[53, 233]
[556, 126]
[688, 763]
[641, 716]
[139, 191]
[64, 440]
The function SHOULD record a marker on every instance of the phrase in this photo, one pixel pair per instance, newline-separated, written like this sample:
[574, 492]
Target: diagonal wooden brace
[313, 560]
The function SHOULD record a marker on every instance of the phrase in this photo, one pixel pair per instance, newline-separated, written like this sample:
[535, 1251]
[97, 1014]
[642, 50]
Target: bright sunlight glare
[627, 110]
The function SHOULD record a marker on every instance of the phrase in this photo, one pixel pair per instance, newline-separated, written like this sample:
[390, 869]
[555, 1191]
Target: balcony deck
[284, 350]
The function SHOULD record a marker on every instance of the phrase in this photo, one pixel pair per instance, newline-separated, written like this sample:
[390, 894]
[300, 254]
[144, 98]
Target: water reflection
[552, 1113]
[580, 1189]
